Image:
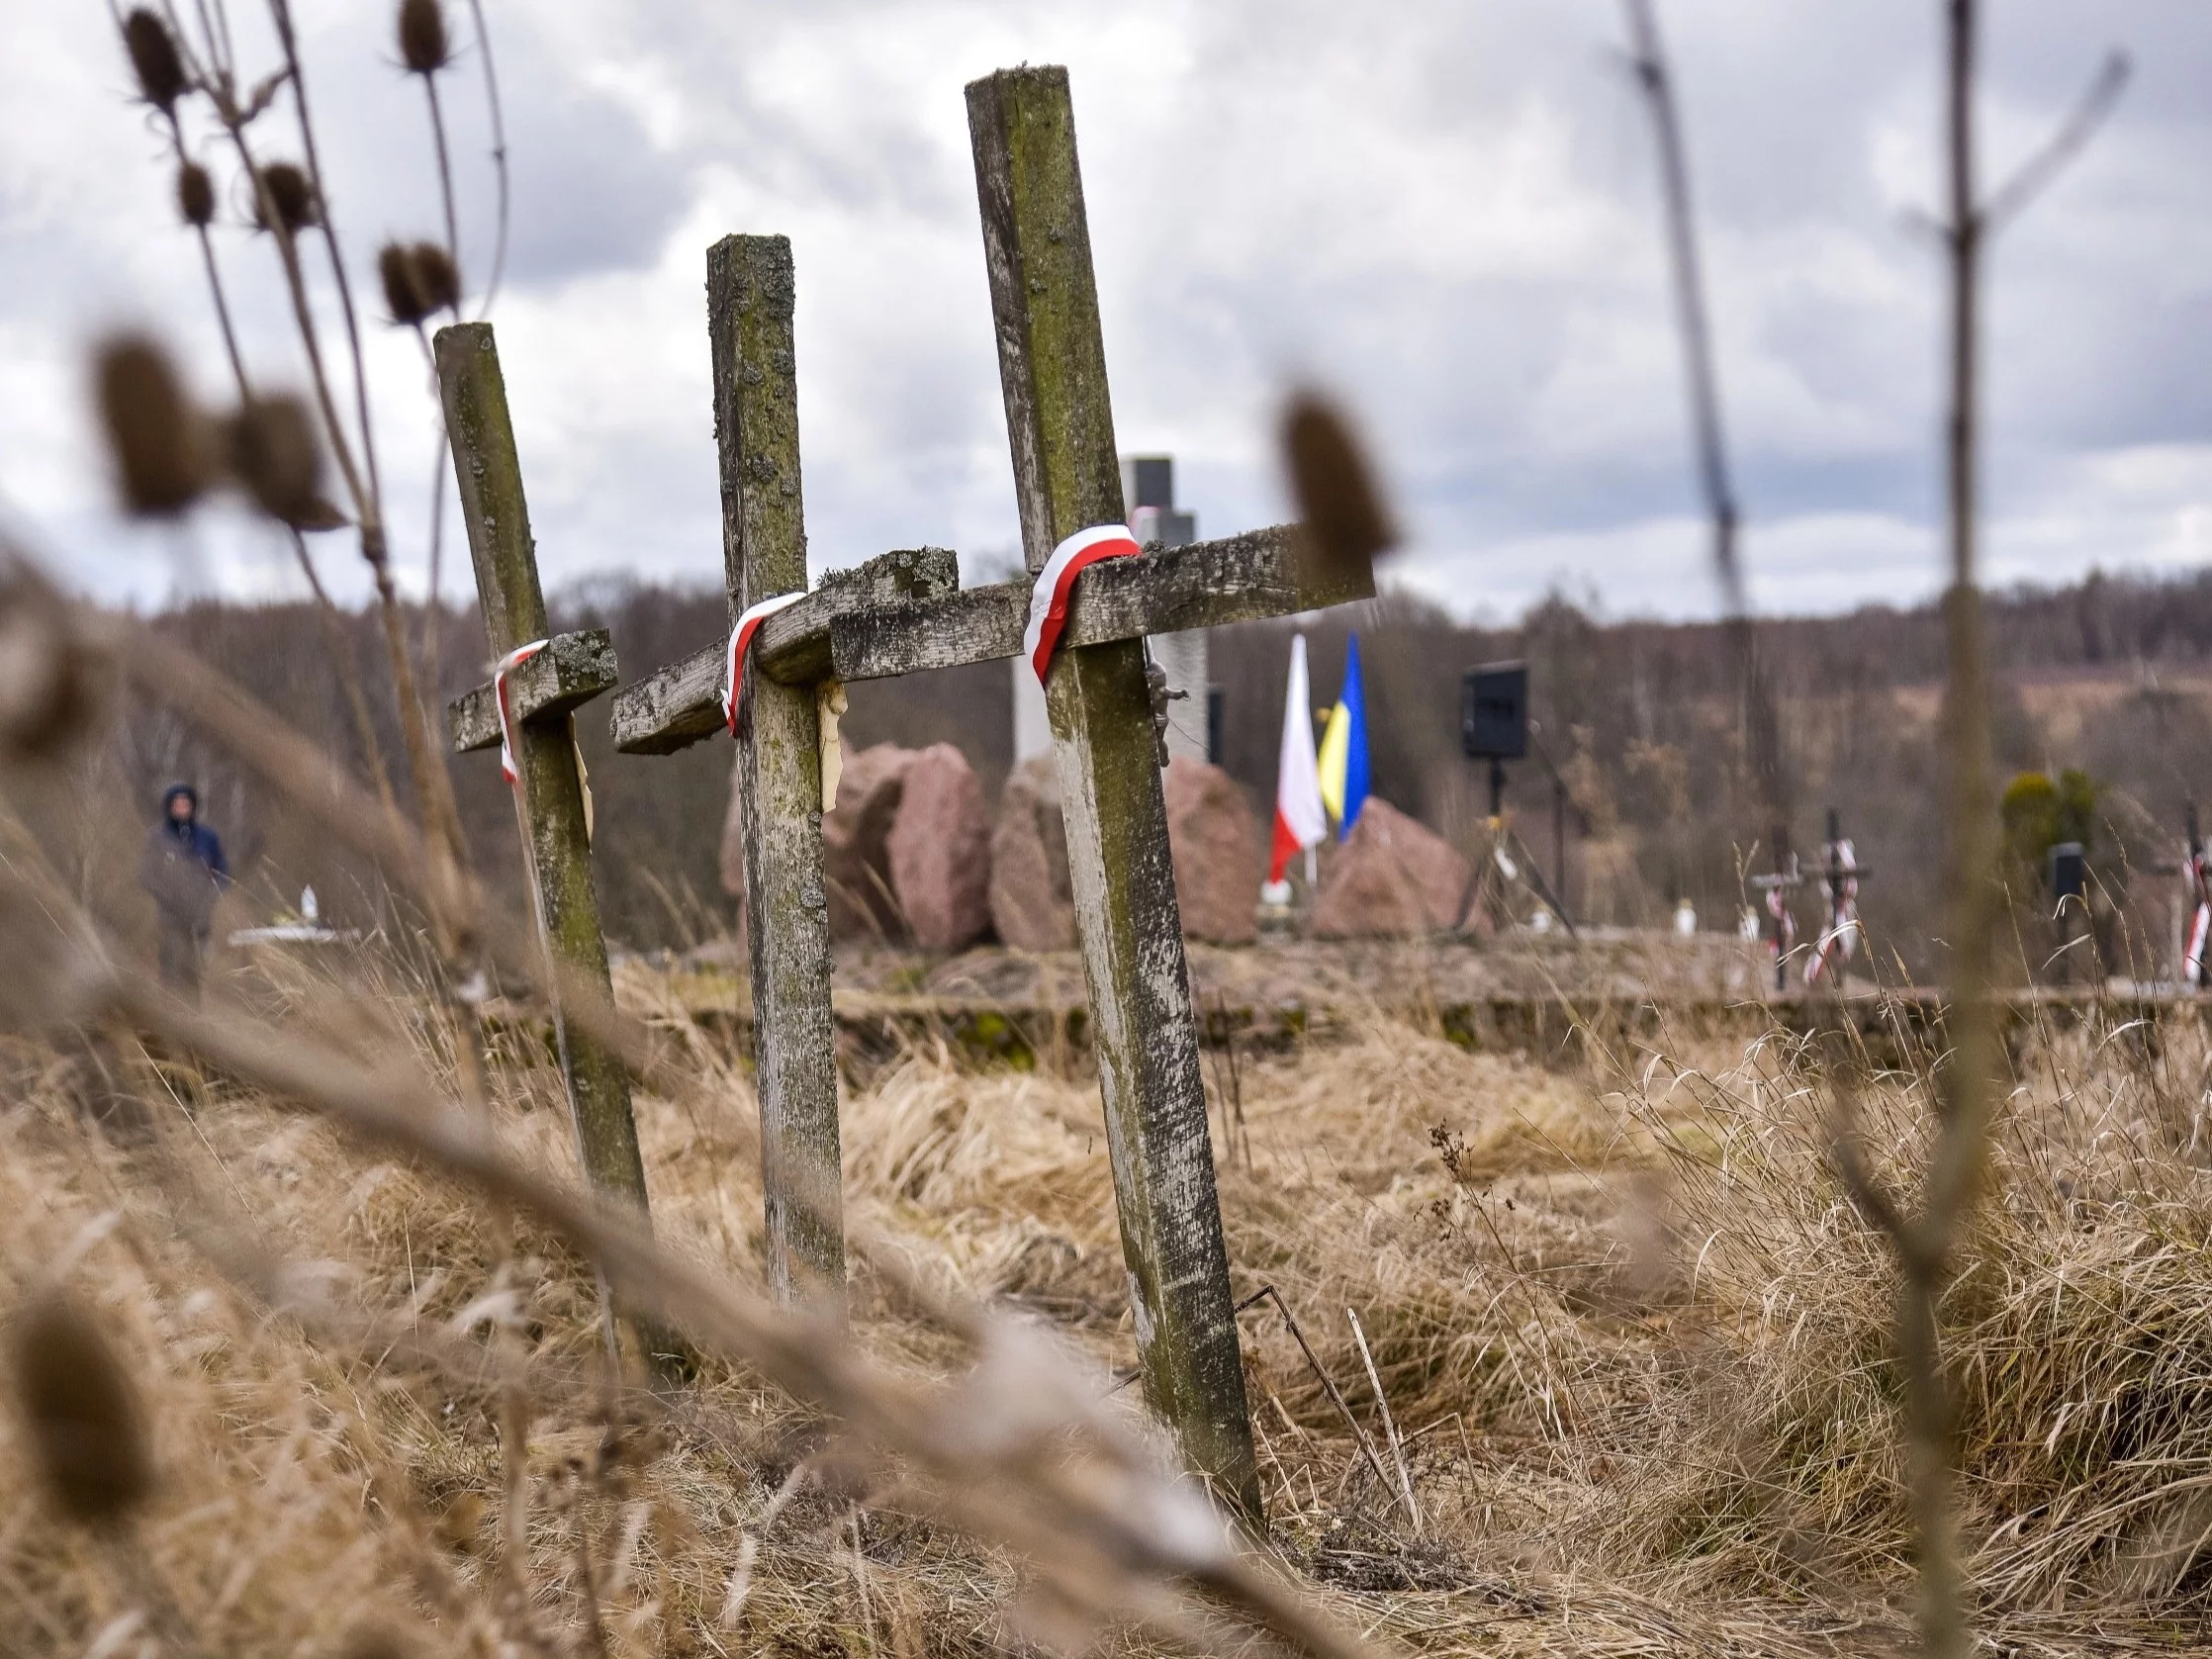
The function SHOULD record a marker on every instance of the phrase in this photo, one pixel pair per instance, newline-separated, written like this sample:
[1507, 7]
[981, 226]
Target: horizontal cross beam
[570, 672]
[1203, 584]
[843, 630]
[682, 703]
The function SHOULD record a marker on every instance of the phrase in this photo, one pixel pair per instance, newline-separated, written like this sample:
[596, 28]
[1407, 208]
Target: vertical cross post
[749, 298]
[1067, 477]
[549, 784]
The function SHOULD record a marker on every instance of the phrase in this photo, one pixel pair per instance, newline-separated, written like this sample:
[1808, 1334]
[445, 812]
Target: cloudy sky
[1444, 208]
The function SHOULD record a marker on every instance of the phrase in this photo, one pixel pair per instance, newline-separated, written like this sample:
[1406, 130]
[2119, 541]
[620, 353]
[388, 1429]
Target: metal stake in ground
[542, 695]
[1052, 361]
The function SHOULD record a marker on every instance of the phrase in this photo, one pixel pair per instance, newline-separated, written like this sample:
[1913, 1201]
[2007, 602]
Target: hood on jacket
[171, 794]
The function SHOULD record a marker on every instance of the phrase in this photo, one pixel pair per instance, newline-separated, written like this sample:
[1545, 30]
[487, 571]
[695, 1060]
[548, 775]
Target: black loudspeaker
[1493, 712]
[2068, 871]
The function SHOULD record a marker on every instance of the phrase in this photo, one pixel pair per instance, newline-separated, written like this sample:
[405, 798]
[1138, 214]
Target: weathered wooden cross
[1067, 476]
[542, 696]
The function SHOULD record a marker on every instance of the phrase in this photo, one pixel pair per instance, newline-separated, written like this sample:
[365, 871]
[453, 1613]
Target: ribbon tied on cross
[741, 637]
[508, 663]
[1056, 586]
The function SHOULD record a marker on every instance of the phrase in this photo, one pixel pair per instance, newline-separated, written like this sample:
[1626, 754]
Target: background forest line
[1643, 719]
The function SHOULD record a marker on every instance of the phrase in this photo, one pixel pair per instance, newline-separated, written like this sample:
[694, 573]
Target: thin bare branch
[280, 11]
[498, 156]
[2036, 174]
[1716, 482]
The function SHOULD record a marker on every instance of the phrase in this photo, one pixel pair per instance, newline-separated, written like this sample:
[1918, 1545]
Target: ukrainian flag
[1344, 750]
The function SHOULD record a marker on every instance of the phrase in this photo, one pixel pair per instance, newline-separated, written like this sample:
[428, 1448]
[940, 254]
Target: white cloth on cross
[508, 663]
[741, 637]
[1047, 600]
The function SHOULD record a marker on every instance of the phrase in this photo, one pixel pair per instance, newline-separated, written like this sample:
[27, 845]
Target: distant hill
[1642, 721]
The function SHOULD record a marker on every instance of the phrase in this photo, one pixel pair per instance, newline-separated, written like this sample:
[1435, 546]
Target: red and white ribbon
[508, 663]
[1047, 600]
[741, 637]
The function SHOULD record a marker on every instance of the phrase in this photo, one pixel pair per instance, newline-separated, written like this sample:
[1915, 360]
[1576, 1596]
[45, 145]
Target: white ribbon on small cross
[741, 637]
[1056, 583]
[508, 663]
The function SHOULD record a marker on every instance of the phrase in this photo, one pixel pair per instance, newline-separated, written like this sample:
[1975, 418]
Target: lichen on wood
[549, 781]
[750, 293]
[1067, 476]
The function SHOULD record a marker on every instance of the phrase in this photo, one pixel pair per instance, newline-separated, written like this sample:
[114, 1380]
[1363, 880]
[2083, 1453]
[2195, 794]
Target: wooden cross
[750, 293]
[542, 696]
[868, 626]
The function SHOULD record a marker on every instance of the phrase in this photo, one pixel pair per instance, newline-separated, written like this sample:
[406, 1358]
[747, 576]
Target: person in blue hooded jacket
[183, 867]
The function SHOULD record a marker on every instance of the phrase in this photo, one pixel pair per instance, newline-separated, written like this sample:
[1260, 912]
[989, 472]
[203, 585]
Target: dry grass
[1636, 1342]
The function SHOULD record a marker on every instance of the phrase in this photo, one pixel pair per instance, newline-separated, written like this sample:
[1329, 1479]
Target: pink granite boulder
[1031, 902]
[939, 849]
[856, 845]
[1392, 878]
[1215, 843]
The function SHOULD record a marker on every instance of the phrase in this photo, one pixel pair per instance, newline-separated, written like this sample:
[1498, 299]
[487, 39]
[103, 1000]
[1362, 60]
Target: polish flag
[1299, 819]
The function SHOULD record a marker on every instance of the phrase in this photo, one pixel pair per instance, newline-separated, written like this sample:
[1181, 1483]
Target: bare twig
[1762, 725]
[280, 11]
[1390, 1427]
[445, 182]
[1329, 1386]
[1925, 1242]
[2035, 174]
[499, 155]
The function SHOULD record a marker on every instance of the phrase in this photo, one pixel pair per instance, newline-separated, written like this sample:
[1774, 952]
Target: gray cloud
[1449, 216]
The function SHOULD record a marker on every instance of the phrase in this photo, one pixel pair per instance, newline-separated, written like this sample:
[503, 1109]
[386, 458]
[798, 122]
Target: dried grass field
[1634, 1341]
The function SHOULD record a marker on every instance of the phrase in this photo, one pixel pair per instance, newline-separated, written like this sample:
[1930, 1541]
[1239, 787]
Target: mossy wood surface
[749, 298]
[1204, 585]
[570, 672]
[682, 703]
[551, 802]
[1067, 476]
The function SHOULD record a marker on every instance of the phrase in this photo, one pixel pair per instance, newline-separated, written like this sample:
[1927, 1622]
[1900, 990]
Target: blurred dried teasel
[277, 459]
[81, 1416]
[195, 194]
[157, 437]
[423, 44]
[1345, 521]
[419, 279]
[54, 683]
[291, 193]
[155, 60]
[375, 1640]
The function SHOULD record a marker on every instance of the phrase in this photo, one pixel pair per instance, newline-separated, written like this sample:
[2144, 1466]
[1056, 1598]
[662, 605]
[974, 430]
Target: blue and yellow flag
[1344, 750]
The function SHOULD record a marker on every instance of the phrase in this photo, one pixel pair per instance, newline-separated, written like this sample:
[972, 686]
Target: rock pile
[1391, 878]
[1031, 902]
[905, 851]
[912, 856]
[1215, 842]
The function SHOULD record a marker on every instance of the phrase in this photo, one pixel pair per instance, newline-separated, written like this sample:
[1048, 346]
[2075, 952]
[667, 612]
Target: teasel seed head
[375, 1640]
[401, 298]
[195, 194]
[418, 279]
[276, 456]
[424, 45]
[293, 195]
[155, 60]
[155, 435]
[56, 684]
[81, 1413]
[1347, 523]
[436, 278]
